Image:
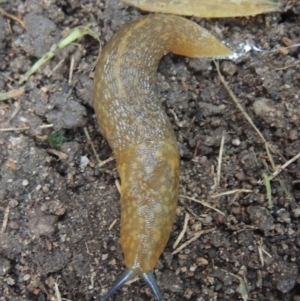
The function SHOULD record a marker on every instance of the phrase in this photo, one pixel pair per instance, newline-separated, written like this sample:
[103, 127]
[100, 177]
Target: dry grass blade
[117, 183]
[5, 220]
[57, 292]
[186, 219]
[72, 64]
[132, 280]
[220, 159]
[202, 203]
[14, 129]
[11, 94]
[236, 101]
[267, 253]
[260, 252]
[231, 192]
[288, 66]
[242, 288]
[281, 168]
[6, 14]
[56, 67]
[112, 224]
[268, 189]
[60, 155]
[106, 161]
[92, 145]
[43, 126]
[195, 237]
[240, 107]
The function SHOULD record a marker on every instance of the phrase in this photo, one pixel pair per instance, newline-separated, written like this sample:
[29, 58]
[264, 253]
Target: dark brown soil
[60, 210]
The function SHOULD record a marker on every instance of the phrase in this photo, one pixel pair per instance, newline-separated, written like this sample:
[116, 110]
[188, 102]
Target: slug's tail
[128, 275]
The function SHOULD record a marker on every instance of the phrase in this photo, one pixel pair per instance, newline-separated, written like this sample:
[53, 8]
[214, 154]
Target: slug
[207, 9]
[141, 135]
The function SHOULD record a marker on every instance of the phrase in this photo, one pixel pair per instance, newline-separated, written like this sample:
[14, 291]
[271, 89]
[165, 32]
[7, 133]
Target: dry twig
[195, 237]
[240, 107]
[6, 14]
[5, 220]
[186, 219]
[220, 159]
[112, 224]
[202, 203]
[231, 192]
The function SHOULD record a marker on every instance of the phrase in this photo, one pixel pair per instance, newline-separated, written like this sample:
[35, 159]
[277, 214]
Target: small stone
[13, 203]
[263, 106]
[25, 183]
[112, 262]
[84, 161]
[296, 212]
[104, 256]
[26, 277]
[41, 224]
[200, 261]
[44, 207]
[45, 189]
[5, 266]
[236, 141]
[14, 225]
[50, 281]
[261, 218]
[293, 134]
[287, 278]
[229, 68]
[9, 281]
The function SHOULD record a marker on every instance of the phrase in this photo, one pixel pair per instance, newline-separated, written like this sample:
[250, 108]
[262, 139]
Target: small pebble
[200, 261]
[45, 189]
[14, 225]
[9, 281]
[5, 266]
[84, 161]
[229, 68]
[104, 256]
[13, 203]
[263, 106]
[236, 141]
[293, 134]
[41, 224]
[25, 183]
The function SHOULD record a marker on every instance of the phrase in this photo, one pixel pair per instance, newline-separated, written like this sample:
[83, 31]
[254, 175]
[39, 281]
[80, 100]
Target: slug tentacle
[123, 278]
[140, 133]
[149, 278]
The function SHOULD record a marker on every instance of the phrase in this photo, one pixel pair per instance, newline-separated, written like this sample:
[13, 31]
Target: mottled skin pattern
[139, 131]
[207, 9]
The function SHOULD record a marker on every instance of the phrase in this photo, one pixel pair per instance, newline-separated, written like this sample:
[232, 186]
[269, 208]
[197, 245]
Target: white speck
[84, 161]
[25, 183]
[236, 142]
[104, 256]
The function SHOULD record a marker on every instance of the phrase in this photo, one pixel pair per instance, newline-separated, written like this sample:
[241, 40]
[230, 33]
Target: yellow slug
[140, 133]
[207, 9]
